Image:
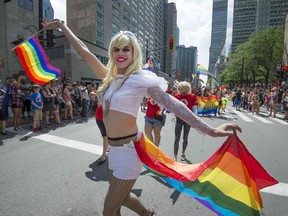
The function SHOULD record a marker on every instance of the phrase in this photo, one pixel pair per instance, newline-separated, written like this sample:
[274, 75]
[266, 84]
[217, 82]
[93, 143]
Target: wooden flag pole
[28, 38]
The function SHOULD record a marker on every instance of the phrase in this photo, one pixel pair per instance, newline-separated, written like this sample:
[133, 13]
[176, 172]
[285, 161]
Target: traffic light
[50, 38]
[171, 44]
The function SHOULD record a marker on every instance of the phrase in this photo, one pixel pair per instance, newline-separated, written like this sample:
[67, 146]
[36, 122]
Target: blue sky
[193, 19]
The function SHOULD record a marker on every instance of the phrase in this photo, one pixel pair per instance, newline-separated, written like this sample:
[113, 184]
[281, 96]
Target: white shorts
[124, 161]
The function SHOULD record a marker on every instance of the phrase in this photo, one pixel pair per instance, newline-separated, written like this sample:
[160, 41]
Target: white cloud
[194, 19]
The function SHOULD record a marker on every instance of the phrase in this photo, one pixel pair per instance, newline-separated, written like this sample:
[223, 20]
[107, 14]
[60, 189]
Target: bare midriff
[120, 124]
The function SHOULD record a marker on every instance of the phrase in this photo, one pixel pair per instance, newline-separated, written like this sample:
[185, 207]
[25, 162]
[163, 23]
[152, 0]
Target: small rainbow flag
[228, 183]
[35, 61]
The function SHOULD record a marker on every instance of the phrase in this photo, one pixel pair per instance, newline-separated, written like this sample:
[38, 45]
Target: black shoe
[4, 133]
[1, 143]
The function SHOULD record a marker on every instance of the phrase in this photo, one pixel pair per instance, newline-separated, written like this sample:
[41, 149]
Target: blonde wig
[184, 88]
[120, 40]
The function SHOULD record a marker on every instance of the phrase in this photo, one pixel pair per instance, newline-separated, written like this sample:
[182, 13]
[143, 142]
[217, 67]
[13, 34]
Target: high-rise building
[252, 15]
[219, 30]
[186, 62]
[97, 21]
[170, 31]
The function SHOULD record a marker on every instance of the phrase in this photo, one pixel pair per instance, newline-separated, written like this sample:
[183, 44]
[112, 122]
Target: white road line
[280, 121]
[91, 148]
[280, 189]
[241, 115]
[264, 120]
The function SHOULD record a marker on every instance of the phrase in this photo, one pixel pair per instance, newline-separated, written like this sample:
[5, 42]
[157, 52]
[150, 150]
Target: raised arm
[183, 112]
[93, 62]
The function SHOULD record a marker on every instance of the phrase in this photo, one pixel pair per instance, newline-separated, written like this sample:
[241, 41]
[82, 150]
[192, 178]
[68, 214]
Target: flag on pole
[228, 183]
[35, 61]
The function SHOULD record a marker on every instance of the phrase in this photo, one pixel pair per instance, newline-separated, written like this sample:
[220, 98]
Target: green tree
[256, 59]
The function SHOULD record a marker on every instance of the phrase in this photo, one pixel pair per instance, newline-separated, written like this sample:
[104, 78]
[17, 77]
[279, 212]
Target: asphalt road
[52, 172]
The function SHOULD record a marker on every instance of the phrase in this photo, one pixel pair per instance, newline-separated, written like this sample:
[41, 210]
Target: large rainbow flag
[35, 61]
[228, 182]
[207, 105]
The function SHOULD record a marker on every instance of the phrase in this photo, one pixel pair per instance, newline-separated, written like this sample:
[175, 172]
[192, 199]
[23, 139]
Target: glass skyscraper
[219, 29]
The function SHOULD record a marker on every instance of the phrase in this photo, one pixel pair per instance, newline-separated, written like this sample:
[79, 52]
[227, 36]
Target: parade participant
[153, 125]
[101, 126]
[124, 86]
[190, 100]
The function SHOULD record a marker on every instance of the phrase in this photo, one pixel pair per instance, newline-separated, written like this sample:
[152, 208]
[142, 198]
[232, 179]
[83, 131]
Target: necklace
[107, 101]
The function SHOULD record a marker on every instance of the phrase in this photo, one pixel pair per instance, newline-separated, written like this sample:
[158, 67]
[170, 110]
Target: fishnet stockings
[119, 194]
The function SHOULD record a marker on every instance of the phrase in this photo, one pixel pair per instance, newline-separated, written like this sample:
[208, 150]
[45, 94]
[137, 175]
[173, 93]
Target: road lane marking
[91, 148]
[280, 189]
[241, 115]
[280, 121]
[264, 120]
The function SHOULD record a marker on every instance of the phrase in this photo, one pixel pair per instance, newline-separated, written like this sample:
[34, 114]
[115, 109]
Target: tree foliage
[256, 59]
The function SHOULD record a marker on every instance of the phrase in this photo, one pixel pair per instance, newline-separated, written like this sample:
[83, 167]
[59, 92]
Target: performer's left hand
[225, 130]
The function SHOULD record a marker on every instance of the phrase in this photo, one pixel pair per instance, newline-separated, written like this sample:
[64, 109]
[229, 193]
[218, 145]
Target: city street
[52, 173]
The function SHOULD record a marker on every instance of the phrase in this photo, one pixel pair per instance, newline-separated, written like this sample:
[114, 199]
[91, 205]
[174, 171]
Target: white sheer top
[129, 96]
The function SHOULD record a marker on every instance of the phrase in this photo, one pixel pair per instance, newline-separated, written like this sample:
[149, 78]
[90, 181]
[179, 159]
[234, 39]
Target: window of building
[116, 2]
[127, 2]
[116, 11]
[126, 27]
[126, 19]
[99, 35]
[127, 12]
[115, 27]
[99, 16]
[103, 59]
[26, 4]
[100, 7]
[99, 25]
[116, 19]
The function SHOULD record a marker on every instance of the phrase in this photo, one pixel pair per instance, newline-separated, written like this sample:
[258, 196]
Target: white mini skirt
[124, 161]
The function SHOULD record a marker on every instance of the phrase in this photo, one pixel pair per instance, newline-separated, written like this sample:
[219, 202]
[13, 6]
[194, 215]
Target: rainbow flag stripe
[207, 105]
[35, 61]
[228, 182]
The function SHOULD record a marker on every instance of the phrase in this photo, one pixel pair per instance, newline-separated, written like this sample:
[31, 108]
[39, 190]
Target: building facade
[186, 62]
[97, 21]
[218, 32]
[252, 15]
[94, 22]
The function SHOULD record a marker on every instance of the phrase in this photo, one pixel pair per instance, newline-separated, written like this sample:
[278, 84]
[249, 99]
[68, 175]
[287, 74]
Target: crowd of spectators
[59, 100]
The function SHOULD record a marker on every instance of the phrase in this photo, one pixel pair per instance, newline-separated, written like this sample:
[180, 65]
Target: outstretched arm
[183, 112]
[93, 62]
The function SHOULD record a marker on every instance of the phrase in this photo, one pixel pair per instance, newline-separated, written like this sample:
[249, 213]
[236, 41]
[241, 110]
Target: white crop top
[128, 97]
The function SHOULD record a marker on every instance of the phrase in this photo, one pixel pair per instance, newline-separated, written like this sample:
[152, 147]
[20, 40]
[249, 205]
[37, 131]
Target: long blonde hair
[120, 40]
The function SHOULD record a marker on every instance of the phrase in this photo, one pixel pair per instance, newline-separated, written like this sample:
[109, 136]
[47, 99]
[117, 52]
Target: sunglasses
[127, 33]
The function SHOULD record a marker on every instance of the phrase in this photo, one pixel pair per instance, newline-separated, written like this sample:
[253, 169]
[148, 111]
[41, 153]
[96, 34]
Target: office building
[94, 22]
[218, 32]
[97, 21]
[252, 15]
[186, 62]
